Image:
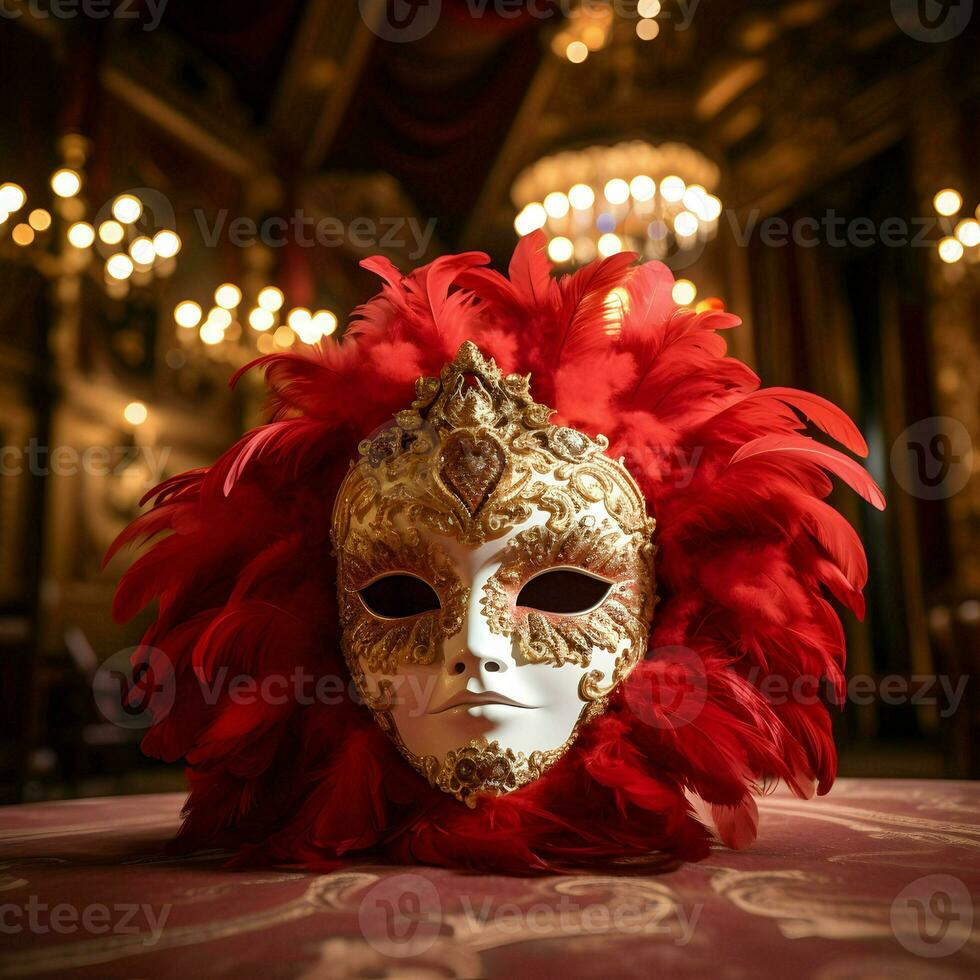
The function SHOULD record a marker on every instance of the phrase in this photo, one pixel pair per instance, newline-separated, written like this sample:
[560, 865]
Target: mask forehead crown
[474, 454]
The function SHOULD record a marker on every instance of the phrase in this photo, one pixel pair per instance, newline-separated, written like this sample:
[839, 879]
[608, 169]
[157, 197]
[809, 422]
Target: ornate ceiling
[266, 99]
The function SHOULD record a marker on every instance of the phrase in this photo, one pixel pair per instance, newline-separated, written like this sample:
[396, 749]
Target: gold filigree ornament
[384, 643]
[594, 547]
[484, 768]
[473, 459]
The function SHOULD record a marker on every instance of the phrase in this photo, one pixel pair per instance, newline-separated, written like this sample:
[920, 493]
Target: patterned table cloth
[879, 879]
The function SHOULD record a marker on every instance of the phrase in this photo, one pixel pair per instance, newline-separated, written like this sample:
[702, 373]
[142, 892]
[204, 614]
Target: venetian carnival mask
[495, 579]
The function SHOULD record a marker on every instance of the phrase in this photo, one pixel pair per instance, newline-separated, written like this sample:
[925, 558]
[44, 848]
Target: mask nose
[464, 661]
[475, 651]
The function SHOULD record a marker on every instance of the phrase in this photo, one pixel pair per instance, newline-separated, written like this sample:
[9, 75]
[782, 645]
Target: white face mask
[494, 577]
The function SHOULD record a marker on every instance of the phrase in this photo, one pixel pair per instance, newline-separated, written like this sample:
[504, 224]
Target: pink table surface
[879, 879]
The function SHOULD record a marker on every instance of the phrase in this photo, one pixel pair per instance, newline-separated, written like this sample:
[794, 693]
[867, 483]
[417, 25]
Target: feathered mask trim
[748, 558]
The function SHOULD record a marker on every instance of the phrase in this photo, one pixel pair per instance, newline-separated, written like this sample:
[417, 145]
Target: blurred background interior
[137, 157]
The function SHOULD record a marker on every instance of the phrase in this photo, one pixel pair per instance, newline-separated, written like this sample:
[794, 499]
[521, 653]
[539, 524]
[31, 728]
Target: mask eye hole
[397, 596]
[565, 591]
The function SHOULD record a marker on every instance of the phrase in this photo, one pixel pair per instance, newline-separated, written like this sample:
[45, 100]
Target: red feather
[815, 453]
[748, 556]
[823, 414]
[737, 825]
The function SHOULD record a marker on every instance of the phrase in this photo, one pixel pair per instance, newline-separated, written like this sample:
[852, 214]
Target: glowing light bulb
[647, 30]
[22, 235]
[947, 202]
[220, 316]
[271, 299]
[260, 319]
[968, 232]
[686, 224]
[299, 317]
[711, 210]
[188, 314]
[111, 232]
[684, 292]
[284, 337]
[81, 234]
[39, 219]
[581, 197]
[617, 191]
[126, 208]
[695, 198]
[643, 188]
[66, 183]
[142, 251]
[228, 296]
[325, 322]
[530, 219]
[609, 244]
[135, 413]
[166, 244]
[212, 332]
[648, 8]
[560, 249]
[307, 330]
[950, 250]
[119, 266]
[556, 204]
[577, 52]
[672, 189]
[12, 197]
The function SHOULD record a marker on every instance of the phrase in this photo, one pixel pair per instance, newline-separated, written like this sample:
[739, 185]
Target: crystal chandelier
[654, 200]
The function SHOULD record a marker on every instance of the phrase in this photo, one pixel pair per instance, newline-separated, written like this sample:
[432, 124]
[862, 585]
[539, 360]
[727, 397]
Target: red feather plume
[748, 553]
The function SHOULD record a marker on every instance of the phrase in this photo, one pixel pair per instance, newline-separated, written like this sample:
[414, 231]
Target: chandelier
[233, 328]
[126, 236]
[654, 200]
